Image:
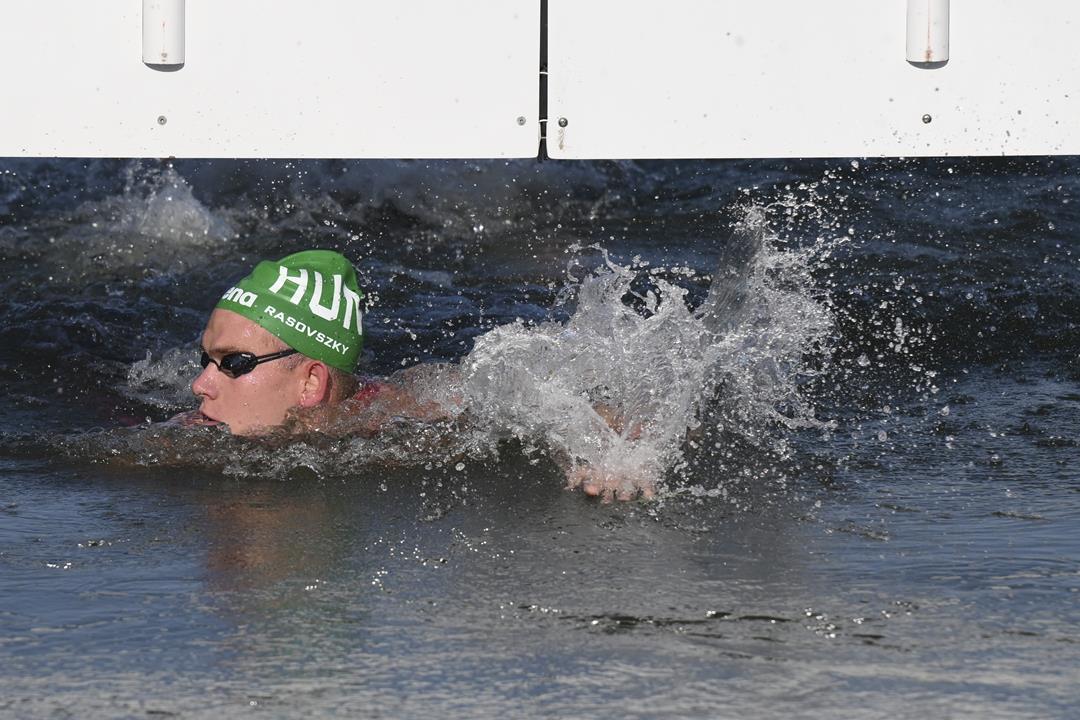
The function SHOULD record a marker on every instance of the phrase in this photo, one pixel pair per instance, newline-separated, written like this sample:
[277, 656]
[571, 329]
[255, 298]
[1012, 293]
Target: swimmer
[280, 350]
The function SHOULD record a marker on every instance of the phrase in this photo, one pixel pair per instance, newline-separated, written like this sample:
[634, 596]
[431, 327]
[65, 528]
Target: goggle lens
[235, 364]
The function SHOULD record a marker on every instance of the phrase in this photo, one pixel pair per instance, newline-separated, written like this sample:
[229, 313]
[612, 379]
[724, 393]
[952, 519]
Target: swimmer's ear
[316, 387]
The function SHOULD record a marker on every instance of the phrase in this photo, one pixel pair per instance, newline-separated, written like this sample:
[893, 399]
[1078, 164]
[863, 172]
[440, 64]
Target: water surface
[883, 524]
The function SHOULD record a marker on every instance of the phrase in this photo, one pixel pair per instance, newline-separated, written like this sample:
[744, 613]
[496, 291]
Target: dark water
[883, 524]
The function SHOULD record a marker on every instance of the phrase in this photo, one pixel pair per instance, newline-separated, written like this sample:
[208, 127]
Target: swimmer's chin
[253, 430]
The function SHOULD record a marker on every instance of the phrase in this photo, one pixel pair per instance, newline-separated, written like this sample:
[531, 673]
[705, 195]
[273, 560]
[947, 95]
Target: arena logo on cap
[240, 296]
[331, 313]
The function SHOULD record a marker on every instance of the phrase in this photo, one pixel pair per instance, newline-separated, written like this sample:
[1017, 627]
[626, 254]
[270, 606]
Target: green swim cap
[310, 300]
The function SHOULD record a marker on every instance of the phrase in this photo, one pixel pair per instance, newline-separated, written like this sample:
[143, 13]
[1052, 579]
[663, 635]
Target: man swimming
[280, 349]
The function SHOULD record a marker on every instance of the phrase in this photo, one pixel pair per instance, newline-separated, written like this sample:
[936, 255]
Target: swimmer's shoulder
[424, 392]
[369, 388]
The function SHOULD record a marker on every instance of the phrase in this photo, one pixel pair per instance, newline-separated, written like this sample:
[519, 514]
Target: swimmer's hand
[629, 428]
[603, 482]
[608, 485]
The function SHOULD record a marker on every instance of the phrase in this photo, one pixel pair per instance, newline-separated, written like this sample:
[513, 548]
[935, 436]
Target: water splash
[162, 205]
[155, 226]
[163, 382]
[617, 388]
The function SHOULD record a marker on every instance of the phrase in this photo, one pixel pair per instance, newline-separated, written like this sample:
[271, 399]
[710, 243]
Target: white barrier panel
[805, 78]
[318, 78]
[458, 78]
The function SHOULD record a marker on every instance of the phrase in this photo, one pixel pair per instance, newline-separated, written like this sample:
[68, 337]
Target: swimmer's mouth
[202, 418]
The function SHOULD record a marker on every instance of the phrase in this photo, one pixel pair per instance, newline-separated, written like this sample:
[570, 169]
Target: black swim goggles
[235, 364]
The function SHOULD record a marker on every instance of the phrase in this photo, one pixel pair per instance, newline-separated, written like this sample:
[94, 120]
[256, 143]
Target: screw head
[563, 122]
[161, 119]
[926, 119]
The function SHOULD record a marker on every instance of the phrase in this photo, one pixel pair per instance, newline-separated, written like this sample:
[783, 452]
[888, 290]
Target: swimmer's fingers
[591, 483]
[605, 494]
[643, 489]
[597, 488]
[608, 487]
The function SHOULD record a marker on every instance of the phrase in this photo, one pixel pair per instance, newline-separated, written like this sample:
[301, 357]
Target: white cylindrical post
[928, 31]
[163, 34]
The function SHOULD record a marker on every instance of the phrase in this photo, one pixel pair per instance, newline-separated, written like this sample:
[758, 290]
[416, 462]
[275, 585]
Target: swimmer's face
[255, 400]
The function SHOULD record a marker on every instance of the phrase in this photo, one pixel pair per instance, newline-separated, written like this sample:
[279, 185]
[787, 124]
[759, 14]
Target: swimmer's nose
[203, 385]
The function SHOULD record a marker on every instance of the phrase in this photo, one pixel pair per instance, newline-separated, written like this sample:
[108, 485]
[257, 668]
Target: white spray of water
[164, 382]
[654, 370]
[169, 211]
[157, 224]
